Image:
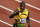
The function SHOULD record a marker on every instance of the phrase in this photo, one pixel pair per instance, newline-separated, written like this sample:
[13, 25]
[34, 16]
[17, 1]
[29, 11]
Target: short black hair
[22, 3]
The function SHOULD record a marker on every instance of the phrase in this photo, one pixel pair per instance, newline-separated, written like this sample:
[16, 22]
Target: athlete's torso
[22, 15]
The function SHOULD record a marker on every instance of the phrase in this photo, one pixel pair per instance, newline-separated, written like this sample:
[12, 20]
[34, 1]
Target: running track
[13, 4]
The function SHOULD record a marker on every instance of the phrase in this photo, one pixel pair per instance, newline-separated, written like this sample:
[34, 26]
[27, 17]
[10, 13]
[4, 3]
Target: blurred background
[7, 7]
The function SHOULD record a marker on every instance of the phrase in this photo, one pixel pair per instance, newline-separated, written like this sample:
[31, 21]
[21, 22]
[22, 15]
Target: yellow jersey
[23, 14]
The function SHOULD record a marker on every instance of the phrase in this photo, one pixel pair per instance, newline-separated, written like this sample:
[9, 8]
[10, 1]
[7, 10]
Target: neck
[21, 9]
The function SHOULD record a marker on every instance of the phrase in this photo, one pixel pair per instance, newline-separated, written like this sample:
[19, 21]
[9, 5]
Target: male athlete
[21, 15]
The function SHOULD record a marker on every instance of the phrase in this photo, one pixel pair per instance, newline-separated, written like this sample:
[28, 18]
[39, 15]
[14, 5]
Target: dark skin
[28, 20]
[16, 13]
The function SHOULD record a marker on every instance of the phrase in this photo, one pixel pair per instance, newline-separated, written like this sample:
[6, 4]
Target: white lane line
[6, 8]
[29, 5]
[6, 23]
[12, 11]
[34, 20]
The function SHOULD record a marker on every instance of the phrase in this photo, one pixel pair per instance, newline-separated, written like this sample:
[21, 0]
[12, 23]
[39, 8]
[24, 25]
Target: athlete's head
[22, 5]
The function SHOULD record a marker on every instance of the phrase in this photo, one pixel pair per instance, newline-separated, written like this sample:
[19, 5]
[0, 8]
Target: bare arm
[28, 20]
[15, 12]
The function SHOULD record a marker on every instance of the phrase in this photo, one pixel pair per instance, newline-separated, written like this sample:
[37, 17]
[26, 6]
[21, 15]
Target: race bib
[22, 20]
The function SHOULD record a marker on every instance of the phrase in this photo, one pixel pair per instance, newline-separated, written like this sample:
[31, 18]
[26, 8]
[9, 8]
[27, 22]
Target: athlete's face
[23, 6]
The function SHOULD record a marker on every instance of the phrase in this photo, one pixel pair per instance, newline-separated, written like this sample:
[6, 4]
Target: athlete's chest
[23, 14]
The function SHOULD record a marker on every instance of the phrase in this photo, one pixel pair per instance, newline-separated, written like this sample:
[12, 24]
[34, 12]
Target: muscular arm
[15, 12]
[28, 20]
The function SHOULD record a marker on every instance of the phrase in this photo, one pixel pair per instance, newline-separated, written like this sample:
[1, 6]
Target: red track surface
[12, 4]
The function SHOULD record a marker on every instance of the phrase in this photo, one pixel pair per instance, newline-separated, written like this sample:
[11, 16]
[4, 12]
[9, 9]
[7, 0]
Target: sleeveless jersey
[22, 16]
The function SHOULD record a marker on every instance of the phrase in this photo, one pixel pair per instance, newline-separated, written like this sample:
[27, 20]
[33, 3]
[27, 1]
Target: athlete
[21, 15]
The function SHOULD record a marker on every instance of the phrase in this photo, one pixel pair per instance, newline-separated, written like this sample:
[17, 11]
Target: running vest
[24, 14]
[21, 17]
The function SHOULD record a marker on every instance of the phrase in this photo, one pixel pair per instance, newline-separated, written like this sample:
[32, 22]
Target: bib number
[22, 20]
